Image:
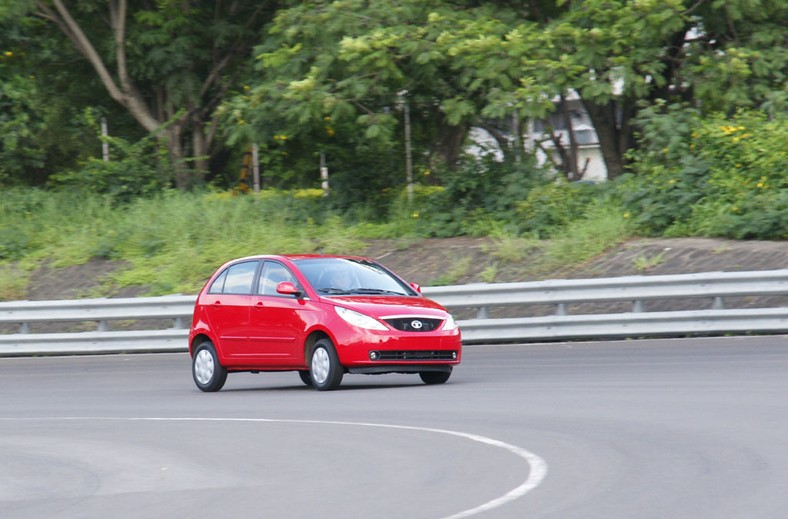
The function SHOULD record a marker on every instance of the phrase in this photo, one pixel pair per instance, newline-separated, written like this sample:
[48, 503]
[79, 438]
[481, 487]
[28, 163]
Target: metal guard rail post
[177, 309]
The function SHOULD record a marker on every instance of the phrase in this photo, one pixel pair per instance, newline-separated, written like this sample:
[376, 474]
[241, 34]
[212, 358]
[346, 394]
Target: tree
[618, 54]
[167, 63]
[470, 63]
[40, 105]
[358, 61]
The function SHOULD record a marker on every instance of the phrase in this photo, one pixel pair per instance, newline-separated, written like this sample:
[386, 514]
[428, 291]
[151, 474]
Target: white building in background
[537, 140]
[589, 154]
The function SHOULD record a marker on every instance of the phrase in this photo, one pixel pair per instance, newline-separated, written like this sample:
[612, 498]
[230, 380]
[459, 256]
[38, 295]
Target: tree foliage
[713, 176]
[301, 79]
[167, 63]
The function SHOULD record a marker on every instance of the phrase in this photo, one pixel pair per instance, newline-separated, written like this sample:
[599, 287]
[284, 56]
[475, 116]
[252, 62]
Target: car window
[239, 277]
[218, 284]
[273, 274]
[345, 276]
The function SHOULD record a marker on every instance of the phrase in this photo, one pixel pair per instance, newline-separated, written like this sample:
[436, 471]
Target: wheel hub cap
[203, 367]
[320, 365]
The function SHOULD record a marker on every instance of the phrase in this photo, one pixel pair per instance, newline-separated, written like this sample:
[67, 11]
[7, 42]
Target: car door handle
[259, 306]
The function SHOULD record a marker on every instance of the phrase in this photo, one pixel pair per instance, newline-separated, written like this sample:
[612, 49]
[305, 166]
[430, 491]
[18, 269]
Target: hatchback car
[322, 316]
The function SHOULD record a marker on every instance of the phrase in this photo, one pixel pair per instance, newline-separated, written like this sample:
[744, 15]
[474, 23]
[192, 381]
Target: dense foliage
[688, 100]
[712, 176]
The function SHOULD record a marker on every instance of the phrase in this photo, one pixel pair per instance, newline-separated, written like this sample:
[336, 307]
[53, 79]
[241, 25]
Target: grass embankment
[173, 242]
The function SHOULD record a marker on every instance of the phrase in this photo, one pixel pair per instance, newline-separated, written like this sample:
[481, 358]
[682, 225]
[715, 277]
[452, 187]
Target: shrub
[134, 169]
[551, 208]
[715, 176]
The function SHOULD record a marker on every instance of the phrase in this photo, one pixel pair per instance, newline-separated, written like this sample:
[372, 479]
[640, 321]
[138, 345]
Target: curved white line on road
[536, 474]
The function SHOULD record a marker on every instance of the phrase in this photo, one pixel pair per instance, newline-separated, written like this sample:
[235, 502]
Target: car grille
[417, 355]
[414, 324]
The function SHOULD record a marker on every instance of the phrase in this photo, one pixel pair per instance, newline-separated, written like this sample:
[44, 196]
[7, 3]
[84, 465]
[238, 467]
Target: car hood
[384, 306]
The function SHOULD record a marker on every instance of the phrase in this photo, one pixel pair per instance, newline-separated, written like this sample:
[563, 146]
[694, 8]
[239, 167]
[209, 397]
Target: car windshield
[343, 276]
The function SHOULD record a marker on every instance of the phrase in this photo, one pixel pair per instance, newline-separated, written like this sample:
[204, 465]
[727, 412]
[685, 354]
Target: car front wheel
[325, 371]
[209, 375]
[435, 377]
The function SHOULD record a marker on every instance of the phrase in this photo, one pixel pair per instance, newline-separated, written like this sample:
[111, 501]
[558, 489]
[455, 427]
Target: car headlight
[450, 324]
[360, 320]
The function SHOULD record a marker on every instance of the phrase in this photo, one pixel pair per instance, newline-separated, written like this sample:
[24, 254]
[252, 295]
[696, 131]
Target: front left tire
[208, 373]
[325, 371]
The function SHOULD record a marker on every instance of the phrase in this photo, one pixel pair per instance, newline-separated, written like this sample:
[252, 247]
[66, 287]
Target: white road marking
[536, 473]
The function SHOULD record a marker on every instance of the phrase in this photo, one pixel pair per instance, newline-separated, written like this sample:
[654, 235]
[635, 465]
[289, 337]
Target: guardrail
[592, 319]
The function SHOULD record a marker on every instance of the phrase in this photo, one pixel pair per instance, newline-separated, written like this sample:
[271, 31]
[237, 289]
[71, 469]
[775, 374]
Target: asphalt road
[640, 429]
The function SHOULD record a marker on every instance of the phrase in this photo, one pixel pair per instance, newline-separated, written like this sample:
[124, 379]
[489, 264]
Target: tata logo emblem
[416, 324]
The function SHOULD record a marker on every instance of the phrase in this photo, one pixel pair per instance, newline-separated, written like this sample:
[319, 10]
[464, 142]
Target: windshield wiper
[375, 291]
[333, 291]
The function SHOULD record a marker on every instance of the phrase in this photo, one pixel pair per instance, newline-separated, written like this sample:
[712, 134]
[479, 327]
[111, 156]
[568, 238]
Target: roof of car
[301, 256]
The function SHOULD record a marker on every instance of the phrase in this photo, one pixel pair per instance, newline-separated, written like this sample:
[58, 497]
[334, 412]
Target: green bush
[746, 195]
[134, 170]
[714, 176]
[551, 208]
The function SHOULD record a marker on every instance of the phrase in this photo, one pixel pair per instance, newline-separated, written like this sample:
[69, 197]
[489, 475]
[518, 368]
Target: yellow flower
[8, 54]
[760, 184]
[414, 214]
[626, 215]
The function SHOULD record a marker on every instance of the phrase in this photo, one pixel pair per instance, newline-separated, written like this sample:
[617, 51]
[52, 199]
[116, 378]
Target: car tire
[208, 373]
[305, 378]
[434, 377]
[325, 371]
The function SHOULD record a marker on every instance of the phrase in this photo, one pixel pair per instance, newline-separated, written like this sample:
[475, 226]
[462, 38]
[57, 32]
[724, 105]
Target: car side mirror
[288, 288]
[416, 287]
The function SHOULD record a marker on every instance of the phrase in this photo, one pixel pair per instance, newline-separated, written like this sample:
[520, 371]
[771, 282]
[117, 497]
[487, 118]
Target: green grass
[171, 243]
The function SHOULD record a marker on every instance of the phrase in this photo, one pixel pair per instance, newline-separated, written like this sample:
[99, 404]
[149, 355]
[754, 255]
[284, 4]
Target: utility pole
[408, 152]
[104, 142]
[323, 173]
[255, 169]
[517, 139]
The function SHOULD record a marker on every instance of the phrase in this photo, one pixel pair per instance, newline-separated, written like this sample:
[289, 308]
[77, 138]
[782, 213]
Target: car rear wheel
[305, 378]
[435, 377]
[208, 373]
[325, 370]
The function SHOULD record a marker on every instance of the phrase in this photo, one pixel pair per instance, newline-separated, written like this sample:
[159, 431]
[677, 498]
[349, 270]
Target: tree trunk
[450, 144]
[571, 168]
[614, 138]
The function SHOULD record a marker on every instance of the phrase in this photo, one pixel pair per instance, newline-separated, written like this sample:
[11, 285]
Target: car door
[276, 322]
[227, 305]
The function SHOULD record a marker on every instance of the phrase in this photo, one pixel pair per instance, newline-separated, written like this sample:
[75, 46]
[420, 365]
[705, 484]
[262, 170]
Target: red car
[322, 316]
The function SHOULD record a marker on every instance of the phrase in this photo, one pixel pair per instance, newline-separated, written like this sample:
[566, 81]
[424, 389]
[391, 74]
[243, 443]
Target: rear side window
[235, 279]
